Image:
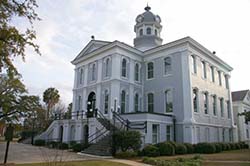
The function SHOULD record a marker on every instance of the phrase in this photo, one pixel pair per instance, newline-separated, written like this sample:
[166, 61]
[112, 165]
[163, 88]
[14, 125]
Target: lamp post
[33, 117]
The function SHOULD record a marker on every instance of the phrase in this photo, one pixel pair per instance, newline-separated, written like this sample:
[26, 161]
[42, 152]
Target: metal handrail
[95, 138]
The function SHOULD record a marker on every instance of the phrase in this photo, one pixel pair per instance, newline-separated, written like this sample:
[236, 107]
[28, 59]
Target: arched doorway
[91, 104]
[61, 134]
[86, 134]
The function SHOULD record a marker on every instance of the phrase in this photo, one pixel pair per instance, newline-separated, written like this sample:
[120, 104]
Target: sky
[66, 27]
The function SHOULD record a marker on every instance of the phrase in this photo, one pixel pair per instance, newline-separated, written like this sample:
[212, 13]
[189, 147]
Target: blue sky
[66, 27]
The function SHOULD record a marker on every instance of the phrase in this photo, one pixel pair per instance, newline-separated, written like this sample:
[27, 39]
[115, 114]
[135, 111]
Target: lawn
[234, 155]
[228, 158]
[78, 163]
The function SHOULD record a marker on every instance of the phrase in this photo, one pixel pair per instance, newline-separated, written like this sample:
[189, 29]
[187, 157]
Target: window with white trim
[212, 74]
[205, 102]
[195, 100]
[204, 72]
[155, 133]
[168, 101]
[93, 74]
[107, 67]
[222, 107]
[168, 133]
[219, 78]
[148, 31]
[193, 64]
[150, 102]
[228, 109]
[137, 72]
[106, 101]
[136, 102]
[167, 65]
[214, 103]
[123, 101]
[81, 76]
[124, 68]
[150, 68]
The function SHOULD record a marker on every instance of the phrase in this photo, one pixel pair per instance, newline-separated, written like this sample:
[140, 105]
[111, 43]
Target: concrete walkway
[23, 153]
[128, 162]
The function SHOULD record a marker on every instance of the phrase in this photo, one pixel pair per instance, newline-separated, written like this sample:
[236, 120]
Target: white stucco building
[180, 90]
[241, 103]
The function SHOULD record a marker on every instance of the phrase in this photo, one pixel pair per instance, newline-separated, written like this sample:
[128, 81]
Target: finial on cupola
[92, 37]
[147, 8]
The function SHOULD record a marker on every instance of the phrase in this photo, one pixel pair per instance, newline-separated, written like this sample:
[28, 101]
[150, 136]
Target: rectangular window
[155, 133]
[222, 107]
[168, 101]
[219, 78]
[168, 133]
[193, 64]
[79, 103]
[205, 101]
[106, 102]
[195, 100]
[214, 105]
[204, 72]
[150, 102]
[226, 82]
[228, 109]
[223, 135]
[212, 74]
[150, 70]
[247, 133]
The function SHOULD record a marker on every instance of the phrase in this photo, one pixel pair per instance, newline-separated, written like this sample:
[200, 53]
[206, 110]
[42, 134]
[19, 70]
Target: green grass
[78, 163]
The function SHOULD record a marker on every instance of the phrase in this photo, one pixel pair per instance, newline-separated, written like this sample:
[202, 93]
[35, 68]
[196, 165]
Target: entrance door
[61, 134]
[86, 134]
[91, 105]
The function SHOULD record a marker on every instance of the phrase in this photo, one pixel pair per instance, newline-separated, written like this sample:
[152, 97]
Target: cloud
[66, 28]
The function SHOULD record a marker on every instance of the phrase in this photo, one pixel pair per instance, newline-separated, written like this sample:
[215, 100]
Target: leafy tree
[11, 89]
[247, 115]
[51, 98]
[14, 41]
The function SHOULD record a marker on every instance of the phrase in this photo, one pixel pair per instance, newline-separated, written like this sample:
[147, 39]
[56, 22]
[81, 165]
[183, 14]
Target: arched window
[123, 102]
[167, 65]
[141, 32]
[106, 101]
[193, 64]
[148, 31]
[150, 102]
[156, 34]
[81, 76]
[107, 63]
[136, 102]
[136, 72]
[150, 70]
[168, 101]
[124, 68]
[195, 100]
[93, 72]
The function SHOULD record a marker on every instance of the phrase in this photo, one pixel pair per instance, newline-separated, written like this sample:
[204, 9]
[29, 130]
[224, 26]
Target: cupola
[147, 29]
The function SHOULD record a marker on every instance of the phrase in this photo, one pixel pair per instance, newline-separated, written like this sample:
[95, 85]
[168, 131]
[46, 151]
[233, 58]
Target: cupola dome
[147, 30]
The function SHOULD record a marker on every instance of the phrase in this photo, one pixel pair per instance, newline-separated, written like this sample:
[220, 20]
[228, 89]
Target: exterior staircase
[101, 147]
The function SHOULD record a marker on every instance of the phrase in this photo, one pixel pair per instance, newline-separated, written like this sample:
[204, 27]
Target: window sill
[167, 75]
[149, 79]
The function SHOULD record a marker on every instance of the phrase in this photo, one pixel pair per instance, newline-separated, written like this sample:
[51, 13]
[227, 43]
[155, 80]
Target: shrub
[126, 140]
[63, 146]
[190, 148]
[72, 143]
[53, 144]
[178, 162]
[205, 148]
[125, 155]
[243, 145]
[39, 142]
[79, 147]
[232, 146]
[151, 151]
[180, 149]
[172, 143]
[237, 146]
[166, 149]
[218, 147]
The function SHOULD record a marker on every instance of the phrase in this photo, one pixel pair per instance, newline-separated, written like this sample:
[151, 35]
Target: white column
[114, 95]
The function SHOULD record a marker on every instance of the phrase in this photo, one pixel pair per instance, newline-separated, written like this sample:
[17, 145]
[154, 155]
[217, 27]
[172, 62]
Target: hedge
[206, 148]
[190, 148]
[180, 149]
[151, 151]
[166, 149]
[39, 142]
